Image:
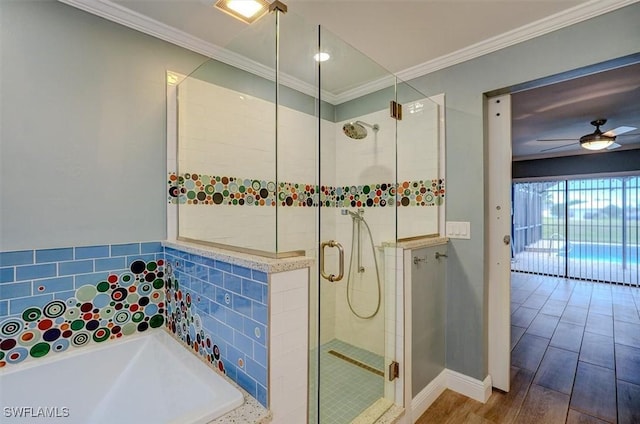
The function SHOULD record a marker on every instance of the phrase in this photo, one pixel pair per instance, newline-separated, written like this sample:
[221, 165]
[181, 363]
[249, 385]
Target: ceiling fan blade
[628, 135]
[620, 130]
[557, 147]
[614, 146]
[557, 139]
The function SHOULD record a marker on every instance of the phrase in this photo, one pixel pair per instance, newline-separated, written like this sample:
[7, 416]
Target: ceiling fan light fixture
[247, 11]
[596, 141]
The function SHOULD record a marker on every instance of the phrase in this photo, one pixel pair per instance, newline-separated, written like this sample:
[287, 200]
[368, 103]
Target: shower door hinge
[278, 5]
[394, 370]
[395, 110]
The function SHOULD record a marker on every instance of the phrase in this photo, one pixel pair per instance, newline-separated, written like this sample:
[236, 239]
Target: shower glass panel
[279, 154]
[421, 187]
[225, 184]
[355, 285]
[297, 136]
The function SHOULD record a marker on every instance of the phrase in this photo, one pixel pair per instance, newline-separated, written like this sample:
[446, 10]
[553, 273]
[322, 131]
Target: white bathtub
[146, 378]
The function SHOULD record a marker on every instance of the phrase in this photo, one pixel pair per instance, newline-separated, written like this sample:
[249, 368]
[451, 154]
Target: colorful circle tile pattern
[371, 195]
[198, 189]
[185, 323]
[421, 193]
[107, 310]
[194, 189]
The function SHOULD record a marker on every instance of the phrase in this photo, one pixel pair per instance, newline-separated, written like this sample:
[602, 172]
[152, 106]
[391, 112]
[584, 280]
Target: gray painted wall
[464, 85]
[83, 128]
[596, 163]
[428, 317]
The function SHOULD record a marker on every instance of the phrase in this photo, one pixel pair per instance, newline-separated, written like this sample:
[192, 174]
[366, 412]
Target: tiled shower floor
[346, 390]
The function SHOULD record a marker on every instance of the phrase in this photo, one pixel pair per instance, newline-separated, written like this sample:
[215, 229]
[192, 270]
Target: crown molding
[134, 20]
[560, 20]
[121, 15]
[366, 88]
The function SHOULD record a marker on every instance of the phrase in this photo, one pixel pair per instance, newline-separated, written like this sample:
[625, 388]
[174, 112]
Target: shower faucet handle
[441, 255]
[417, 260]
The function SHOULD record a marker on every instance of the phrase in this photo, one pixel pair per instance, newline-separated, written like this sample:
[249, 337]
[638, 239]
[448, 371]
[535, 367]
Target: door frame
[498, 226]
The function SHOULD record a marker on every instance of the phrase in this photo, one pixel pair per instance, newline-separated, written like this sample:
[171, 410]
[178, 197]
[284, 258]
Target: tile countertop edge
[260, 263]
[418, 243]
[250, 412]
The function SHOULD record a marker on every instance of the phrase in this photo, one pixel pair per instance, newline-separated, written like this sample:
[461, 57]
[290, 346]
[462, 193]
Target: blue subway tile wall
[7, 275]
[34, 277]
[54, 299]
[54, 255]
[92, 252]
[21, 257]
[229, 302]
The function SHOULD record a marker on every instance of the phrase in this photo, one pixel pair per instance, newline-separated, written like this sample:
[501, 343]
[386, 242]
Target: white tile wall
[288, 346]
[418, 147]
[400, 325]
[417, 221]
[418, 142]
[370, 160]
[252, 227]
[228, 133]
[297, 146]
[367, 334]
[224, 132]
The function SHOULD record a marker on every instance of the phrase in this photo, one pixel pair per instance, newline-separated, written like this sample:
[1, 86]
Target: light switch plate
[458, 229]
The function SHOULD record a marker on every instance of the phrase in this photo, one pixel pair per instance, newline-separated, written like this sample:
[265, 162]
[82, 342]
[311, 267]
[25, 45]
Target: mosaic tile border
[194, 189]
[211, 298]
[421, 193]
[372, 195]
[119, 305]
[186, 324]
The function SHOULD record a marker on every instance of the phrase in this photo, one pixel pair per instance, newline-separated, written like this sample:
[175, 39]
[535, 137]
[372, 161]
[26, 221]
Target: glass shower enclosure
[280, 154]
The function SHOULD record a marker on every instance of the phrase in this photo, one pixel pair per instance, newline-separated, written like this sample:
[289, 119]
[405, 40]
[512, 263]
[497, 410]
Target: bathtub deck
[143, 379]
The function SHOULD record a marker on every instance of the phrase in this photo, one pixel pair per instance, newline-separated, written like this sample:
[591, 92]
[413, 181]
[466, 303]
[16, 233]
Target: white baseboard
[470, 387]
[428, 395]
[448, 379]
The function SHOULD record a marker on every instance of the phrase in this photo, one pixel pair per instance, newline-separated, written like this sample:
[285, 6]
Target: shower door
[353, 342]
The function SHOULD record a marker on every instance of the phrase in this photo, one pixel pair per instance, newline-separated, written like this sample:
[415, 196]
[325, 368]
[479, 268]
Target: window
[584, 228]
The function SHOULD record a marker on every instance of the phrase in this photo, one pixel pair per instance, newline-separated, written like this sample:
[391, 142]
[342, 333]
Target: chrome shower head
[357, 131]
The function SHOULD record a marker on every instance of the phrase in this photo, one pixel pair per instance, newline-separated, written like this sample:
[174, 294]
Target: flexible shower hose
[375, 260]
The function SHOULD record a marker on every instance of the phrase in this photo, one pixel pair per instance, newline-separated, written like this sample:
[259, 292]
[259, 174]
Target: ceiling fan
[596, 140]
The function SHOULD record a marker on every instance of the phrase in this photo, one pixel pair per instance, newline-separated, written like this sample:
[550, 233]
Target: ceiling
[397, 34]
[565, 110]
[408, 38]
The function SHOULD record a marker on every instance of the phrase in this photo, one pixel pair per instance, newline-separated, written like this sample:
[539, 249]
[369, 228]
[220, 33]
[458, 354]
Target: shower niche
[279, 155]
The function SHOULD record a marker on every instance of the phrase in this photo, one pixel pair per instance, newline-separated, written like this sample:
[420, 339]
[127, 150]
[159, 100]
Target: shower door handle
[332, 277]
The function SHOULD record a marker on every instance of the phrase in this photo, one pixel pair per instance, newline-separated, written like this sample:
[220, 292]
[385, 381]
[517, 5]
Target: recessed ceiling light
[247, 11]
[321, 57]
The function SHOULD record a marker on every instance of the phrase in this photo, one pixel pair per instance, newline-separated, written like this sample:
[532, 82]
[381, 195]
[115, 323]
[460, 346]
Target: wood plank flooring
[575, 358]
